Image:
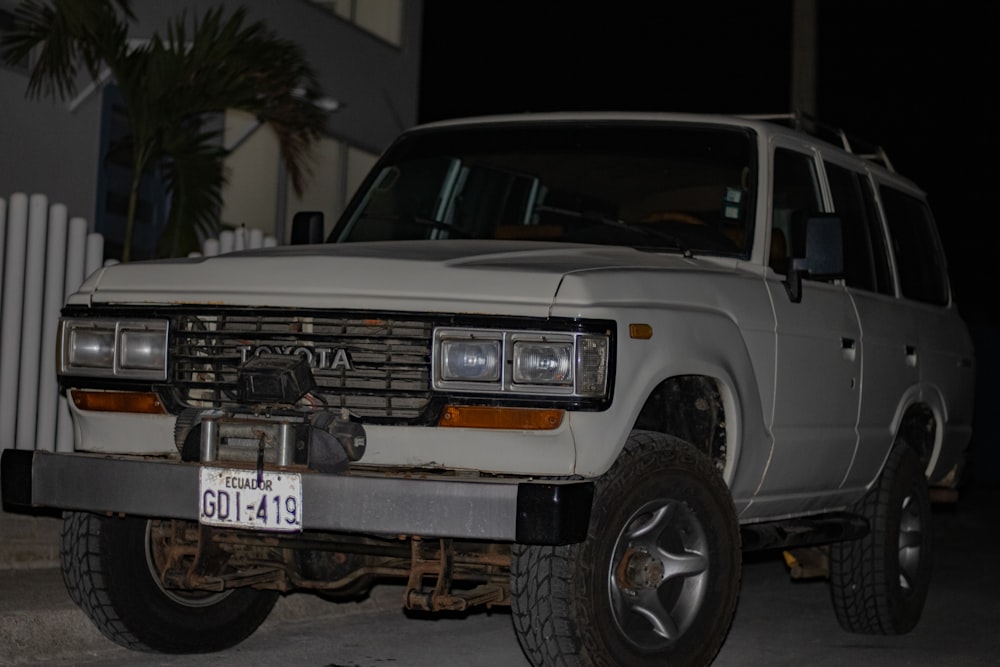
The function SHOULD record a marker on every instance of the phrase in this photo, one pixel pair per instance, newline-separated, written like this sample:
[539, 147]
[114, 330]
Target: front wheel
[879, 582]
[108, 565]
[656, 580]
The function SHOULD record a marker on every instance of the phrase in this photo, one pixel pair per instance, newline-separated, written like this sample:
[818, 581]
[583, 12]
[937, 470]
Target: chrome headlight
[543, 362]
[521, 362]
[470, 359]
[115, 348]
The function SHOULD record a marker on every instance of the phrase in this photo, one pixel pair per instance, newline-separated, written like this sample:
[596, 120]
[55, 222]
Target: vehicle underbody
[441, 574]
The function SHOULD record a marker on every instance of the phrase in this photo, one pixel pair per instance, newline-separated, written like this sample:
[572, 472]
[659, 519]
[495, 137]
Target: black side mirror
[824, 254]
[307, 227]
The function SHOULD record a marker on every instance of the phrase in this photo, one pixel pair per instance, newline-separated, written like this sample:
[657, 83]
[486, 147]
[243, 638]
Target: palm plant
[169, 84]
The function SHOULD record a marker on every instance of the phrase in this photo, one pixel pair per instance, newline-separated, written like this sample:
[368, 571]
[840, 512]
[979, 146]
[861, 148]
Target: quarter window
[919, 258]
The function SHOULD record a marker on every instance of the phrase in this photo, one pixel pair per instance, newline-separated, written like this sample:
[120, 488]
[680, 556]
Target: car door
[888, 325]
[938, 346]
[818, 355]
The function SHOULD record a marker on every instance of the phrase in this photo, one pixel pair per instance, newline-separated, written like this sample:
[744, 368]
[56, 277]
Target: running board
[803, 531]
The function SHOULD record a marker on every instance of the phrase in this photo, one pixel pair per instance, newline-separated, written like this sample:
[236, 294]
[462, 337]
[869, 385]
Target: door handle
[848, 348]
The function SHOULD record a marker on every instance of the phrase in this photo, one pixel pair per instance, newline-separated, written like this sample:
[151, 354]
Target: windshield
[684, 188]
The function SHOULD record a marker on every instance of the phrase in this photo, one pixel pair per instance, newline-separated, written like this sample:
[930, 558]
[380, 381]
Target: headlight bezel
[581, 382]
[134, 349]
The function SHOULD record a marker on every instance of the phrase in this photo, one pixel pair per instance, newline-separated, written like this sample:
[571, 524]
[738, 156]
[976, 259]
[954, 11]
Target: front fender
[684, 342]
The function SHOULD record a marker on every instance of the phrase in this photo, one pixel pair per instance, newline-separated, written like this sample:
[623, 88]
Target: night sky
[914, 77]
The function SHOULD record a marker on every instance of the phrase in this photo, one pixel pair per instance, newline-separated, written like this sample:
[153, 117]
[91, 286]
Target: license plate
[239, 498]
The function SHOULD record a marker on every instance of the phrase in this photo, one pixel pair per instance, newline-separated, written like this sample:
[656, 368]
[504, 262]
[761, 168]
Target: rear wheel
[879, 582]
[109, 567]
[657, 579]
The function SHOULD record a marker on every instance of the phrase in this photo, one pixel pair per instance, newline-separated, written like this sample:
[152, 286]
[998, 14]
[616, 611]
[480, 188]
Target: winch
[270, 427]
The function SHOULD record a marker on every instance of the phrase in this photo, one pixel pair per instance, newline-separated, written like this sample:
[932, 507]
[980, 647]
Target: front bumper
[527, 512]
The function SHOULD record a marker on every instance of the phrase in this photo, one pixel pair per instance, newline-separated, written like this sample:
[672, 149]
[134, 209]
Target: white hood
[515, 277]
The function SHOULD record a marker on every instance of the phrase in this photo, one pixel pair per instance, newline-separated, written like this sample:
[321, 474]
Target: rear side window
[866, 262]
[915, 244]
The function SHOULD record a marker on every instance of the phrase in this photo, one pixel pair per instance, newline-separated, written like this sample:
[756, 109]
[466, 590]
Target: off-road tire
[661, 505]
[879, 582]
[106, 571]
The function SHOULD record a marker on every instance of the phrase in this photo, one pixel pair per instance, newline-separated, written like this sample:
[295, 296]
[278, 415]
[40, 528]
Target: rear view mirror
[824, 254]
[307, 228]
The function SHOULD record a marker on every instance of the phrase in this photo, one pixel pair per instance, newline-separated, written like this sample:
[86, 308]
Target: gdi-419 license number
[241, 498]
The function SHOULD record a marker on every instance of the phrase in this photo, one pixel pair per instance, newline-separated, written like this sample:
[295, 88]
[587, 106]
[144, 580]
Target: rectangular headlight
[114, 348]
[470, 359]
[90, 345]
[521, 362]
[542, 362]
[142, 349]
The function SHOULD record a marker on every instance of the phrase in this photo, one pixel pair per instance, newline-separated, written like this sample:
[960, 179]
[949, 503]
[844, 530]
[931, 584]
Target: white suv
[570, 363]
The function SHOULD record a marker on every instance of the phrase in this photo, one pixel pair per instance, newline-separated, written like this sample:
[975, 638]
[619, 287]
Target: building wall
[47, 147]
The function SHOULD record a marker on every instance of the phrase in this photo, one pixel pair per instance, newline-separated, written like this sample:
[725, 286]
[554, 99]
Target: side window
[796, 195]
[866, 264]
[919, 257]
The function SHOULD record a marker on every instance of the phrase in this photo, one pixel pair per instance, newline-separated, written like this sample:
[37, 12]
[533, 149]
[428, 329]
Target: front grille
[378, 368]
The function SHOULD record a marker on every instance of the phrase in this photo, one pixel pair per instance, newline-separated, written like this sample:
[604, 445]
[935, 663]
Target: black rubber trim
[553, 514]
[15, 476]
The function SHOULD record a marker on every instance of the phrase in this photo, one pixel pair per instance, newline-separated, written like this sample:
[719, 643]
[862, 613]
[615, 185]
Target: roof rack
[800, 120]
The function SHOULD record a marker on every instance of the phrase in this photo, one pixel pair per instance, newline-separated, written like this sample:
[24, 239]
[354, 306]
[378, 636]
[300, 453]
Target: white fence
[44, 256]
[238, 239]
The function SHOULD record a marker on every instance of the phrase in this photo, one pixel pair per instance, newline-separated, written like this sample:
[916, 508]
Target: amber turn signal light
[118, 401]
[525, 419]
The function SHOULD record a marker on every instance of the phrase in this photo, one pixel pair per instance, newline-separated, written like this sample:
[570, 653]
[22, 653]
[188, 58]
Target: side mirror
[307, 227]
[824, 254]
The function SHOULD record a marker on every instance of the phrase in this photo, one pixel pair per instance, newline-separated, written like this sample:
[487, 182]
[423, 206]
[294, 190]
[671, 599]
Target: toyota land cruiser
[571, 363]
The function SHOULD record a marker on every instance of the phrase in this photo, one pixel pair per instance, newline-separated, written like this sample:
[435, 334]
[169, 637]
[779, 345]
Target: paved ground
[779, 622]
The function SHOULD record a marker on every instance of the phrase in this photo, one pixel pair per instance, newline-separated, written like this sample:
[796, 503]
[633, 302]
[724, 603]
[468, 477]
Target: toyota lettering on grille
[320, 358]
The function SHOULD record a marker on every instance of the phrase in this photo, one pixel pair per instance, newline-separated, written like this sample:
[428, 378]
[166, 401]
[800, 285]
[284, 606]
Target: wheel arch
[717, 414]
[916, 423]
[699, 409]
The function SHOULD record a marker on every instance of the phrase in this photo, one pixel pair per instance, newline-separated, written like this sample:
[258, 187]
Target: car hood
[513, 277]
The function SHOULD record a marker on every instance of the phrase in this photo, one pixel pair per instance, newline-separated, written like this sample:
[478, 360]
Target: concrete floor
[779, 621]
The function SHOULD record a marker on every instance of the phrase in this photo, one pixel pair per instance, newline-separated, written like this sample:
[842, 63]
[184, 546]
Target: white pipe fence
[44, 256]
[230, 240]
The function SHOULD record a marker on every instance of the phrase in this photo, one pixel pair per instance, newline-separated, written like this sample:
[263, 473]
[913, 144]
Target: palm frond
[201, 66]
[191, 166]
[230, 65]
[67, 37]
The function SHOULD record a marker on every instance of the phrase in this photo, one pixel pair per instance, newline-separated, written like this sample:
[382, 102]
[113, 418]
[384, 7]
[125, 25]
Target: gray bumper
[549, 512]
